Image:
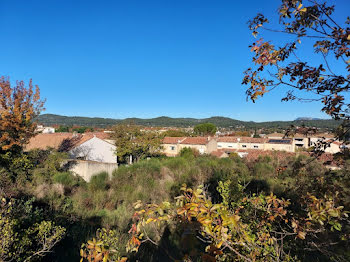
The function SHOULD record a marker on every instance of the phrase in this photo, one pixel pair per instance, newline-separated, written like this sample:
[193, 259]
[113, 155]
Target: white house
[45, 129]
[90, 153]
[95, 149]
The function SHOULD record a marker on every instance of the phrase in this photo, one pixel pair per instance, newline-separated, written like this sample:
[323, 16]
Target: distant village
[94, 152]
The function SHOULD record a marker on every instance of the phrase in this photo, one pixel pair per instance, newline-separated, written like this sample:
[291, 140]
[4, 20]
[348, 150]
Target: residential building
[204, 145]
[90, 153]
[173, 145]
[305, 141]
[227, 142]
[251, 143]
[45, 129]
[279, 145]
[170, 145]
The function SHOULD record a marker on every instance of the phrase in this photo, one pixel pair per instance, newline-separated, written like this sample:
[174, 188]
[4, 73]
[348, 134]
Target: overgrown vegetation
[108, 203]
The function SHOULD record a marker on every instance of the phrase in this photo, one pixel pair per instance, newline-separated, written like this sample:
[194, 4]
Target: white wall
[87, 169]
[229, 145]
[48, 130]
[95, 149]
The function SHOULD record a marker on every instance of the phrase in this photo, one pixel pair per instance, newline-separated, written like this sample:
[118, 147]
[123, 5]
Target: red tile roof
[218, 153]
[172, 140]
[257, 140]
[227, 139]
[195, 141]
[44, 141]
[87, 136]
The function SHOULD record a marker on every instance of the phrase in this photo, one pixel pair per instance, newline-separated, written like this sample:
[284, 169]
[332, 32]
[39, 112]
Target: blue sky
[118, 59]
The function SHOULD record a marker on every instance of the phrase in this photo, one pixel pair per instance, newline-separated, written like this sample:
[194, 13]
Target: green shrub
[99, 181]
[188, 152]
[64, 178]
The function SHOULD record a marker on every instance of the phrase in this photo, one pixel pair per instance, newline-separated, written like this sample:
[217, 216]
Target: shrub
[64, 178]
[188, 152]
[98, 182]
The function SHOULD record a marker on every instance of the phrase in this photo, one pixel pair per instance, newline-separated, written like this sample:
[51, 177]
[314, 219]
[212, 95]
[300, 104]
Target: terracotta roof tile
[257, 140]
[218, 153]
[227, 139]
[195, 141]
[172, 140]
[44, 141]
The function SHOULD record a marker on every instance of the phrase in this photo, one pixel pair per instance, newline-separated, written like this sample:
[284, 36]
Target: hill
[226, 122]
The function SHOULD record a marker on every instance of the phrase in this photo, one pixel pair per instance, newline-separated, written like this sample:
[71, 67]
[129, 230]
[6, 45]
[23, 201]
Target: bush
[188, 152]
[99, 181]
[65, 178]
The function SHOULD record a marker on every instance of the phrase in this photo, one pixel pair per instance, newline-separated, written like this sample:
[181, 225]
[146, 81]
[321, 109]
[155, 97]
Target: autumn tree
[19, 106]
[205, 129]
[302, 25]
[134, 143]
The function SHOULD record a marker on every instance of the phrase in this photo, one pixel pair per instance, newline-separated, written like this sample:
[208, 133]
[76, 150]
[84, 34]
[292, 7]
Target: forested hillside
[51, 119]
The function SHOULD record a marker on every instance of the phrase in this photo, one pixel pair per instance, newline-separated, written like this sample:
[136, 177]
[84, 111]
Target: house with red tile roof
[173, 145]
[88, 146]
[252, 143]
[219, 153]
[90, 153]
[228, 142]
[306, 140]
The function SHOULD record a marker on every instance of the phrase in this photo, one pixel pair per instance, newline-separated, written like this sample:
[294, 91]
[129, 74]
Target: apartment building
[252, 143]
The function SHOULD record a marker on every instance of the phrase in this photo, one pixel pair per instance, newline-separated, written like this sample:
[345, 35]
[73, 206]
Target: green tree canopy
[205, 129]
[131, 140]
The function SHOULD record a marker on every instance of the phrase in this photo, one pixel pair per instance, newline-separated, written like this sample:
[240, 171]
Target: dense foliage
[19, 105]
[205, 129]
[134, 144]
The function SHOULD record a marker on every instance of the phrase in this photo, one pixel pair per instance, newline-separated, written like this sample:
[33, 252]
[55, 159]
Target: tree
[205, 129]
[62, 129]
[19, 106]
[276, 67]
[134, 143]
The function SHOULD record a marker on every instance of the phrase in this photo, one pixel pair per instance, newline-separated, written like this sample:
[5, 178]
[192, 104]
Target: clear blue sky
[180, 58]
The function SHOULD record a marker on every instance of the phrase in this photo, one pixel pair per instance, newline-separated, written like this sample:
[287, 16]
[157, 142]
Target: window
[256, 146]
[219, 145]
[229, 146]
[172, 148]
[244, 146]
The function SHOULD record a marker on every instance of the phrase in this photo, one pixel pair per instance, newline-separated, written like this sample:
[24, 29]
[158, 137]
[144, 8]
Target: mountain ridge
[162, 121]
